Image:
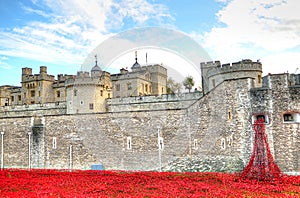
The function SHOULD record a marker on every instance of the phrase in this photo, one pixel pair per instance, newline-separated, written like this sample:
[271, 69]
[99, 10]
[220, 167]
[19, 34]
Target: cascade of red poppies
[261, 165]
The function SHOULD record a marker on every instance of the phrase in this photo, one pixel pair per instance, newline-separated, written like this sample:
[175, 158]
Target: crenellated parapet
[214, 73]
[27, 75]
[64, 77]
[241, 66]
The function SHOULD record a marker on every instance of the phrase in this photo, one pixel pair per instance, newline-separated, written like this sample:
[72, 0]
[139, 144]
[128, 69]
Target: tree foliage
[188, 83]
[173, 87]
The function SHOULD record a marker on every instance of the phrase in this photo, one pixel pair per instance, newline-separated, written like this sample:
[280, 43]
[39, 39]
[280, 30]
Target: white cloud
[73, 28]
[35, 11]
[3, 64]
[281, 63]
[254, 29]
[140, 11]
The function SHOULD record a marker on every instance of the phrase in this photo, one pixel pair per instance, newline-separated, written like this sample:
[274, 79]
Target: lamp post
[70, 159]
[2, 149]
[29, 150]
[159, 148]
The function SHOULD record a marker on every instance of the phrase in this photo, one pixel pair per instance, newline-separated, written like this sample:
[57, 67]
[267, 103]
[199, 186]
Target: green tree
[188, 83]
[173, 87]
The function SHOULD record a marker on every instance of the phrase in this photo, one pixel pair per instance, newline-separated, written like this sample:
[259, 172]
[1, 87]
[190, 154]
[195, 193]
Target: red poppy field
[55, 183]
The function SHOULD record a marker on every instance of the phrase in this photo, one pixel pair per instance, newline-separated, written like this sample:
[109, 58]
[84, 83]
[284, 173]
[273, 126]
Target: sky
[60, 34]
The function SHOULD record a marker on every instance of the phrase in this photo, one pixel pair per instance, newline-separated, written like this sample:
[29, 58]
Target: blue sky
[61, 34]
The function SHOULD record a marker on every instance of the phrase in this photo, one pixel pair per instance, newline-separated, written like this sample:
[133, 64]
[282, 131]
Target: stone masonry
[197, 132]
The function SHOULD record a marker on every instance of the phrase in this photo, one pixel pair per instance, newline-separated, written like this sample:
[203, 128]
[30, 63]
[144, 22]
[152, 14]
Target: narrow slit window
[58, 94]
[54, 143]
[195, 144]
[223, 144]
[129, 144]
[229, 115]
[160, 143]
[91, 106]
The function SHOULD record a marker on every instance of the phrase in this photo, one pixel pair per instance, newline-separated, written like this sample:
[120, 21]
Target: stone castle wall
[146, 103]
[274, 100]
[103, 138]
[57, 108]
[217, 126]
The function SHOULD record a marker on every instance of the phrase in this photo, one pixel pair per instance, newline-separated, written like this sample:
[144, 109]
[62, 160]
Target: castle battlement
[28, 77]
[244, 65]
[64, 77]
[284, 79]
[57, 108]
[211, 64]
[214, 73]
[83, 74]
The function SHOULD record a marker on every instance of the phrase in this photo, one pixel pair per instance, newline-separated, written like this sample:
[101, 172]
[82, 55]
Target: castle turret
[213, 73]
[43, 70]
[136, 65]
[26, 72]
[205, 67]
[96, 70]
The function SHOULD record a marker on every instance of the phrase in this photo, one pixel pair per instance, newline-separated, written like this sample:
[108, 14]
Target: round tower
[213, 73]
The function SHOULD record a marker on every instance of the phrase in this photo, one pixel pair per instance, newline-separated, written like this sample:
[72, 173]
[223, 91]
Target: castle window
[75, 92]
[229, 141]
[19, 97]
[229, 115]
[91, 106]
[162, 90]
[129, 146]
[146, 88]
[81, 102]
[117, 87]
[129, 87]
[259, 78]
[32, 93]
[261, 116]
[39, 94]
[101, 92]
[290, 117]
[12, 98]
[54, 143]
[58, 94]
[160, 143]
[223, 144]
[195, 144]
[108, 95]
